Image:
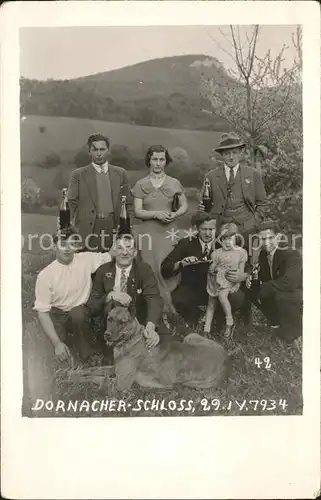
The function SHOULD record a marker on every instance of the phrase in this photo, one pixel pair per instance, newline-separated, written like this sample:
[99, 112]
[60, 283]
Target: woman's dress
[155, 238]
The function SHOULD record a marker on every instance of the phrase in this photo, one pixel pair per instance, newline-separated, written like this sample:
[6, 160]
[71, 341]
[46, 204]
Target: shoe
[229, 332]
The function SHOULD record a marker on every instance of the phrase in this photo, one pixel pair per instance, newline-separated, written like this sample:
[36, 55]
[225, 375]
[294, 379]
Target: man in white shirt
[62, 291]
[94, 196]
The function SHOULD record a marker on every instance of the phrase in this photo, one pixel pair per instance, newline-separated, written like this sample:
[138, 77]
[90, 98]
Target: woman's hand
[200, 206]
[164, 217]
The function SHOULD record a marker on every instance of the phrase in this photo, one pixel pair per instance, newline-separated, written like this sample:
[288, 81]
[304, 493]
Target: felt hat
[230, 141]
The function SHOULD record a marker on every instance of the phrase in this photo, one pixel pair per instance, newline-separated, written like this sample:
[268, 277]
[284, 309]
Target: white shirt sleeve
[98, 259]
[43, 294]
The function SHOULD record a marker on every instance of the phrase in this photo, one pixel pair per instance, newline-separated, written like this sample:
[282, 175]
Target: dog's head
[121, 326]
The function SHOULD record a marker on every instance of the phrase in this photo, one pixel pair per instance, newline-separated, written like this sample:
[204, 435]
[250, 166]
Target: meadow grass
[72, 133]
[281, 383]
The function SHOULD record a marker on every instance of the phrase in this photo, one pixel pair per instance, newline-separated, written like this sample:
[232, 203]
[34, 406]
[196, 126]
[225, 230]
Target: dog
[196, 362]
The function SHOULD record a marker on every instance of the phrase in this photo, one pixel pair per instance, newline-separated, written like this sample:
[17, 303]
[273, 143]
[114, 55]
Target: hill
[158, 77]
[161, 92]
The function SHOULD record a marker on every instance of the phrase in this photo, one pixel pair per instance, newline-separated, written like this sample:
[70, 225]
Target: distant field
[64, 136]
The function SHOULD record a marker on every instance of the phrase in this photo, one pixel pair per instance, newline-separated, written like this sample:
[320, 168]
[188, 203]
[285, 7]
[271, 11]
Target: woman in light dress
[154, 198]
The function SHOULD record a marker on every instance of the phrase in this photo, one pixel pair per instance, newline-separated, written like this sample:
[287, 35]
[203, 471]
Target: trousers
[187, 300]
[101, 238]
[75, 329]
[284, 309]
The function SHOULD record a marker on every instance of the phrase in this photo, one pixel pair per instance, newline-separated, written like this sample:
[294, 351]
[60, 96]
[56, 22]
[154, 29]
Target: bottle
[255, 283]
[207, 195]
[175, 202]
[124, 220]
[64, 211]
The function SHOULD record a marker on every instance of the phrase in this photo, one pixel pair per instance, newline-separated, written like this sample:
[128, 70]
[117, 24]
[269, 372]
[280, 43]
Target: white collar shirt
[228, 171]
[101, 169]
[118, 276]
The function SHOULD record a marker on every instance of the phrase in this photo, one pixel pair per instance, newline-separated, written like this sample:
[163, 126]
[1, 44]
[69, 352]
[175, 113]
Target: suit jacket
[82, 196]
[253, 190]
[286, 269]
[190, 275]
[141, 286]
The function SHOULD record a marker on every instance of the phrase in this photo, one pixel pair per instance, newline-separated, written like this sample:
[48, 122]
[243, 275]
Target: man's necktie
[123, 281]
[230, 181]
[270, 261]
[206, 252]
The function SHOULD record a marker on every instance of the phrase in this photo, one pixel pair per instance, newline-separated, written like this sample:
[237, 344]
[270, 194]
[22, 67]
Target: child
[229, 257]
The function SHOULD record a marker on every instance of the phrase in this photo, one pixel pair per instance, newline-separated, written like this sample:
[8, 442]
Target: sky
[63, 53]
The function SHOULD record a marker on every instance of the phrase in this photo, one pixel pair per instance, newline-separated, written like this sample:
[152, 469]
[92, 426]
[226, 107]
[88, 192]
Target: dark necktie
[206, 252]
[230, 181]
[270, 261]
[123, 281]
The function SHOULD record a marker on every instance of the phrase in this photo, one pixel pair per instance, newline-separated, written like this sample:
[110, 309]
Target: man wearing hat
[238, 192]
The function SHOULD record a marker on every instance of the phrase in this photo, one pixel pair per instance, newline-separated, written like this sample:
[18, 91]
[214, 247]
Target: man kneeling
[62, 291]
[279, 295]
[128, 281]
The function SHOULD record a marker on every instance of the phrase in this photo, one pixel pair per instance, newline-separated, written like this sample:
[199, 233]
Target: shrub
[82, 158]
[52, 160]
[120, 155]
[186, 174]
[287, 210]
[50, 201]
[179, 155]
[30, 195]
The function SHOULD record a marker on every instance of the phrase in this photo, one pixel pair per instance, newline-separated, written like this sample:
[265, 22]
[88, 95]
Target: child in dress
[227, 258]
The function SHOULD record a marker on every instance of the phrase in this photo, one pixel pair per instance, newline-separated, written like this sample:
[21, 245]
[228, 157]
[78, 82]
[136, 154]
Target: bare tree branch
[222, 48]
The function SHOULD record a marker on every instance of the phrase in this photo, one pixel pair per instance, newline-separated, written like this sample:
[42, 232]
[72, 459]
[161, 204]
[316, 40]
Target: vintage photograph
[161, 216]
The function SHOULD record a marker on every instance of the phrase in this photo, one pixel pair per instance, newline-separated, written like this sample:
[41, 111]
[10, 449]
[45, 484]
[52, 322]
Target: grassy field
[276, 390]
[65, 136]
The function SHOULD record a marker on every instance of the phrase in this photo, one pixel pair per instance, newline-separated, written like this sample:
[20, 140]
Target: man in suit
[128, 282]
[190, 258]
[238, 191]
[94, 196]
[279, 295]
